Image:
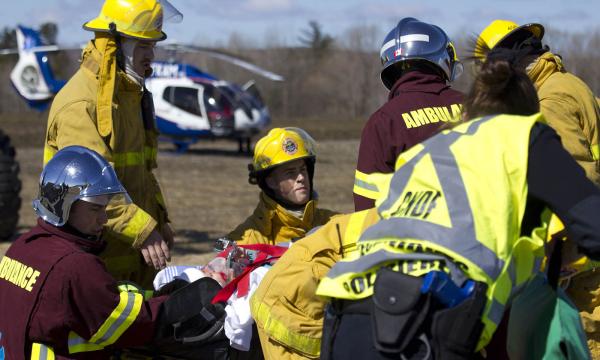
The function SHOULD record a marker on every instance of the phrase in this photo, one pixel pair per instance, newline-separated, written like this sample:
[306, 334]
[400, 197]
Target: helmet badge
[289, 146]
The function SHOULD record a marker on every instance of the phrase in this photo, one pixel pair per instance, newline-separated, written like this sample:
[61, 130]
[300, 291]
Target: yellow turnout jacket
[288, 314]
[271, 223]
[123, 140]
[570, 107]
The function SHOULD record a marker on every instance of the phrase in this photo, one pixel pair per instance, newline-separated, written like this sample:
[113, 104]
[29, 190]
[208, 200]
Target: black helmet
[413, 40]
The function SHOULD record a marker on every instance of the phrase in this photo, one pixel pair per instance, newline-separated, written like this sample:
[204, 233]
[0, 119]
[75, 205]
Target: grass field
[206, 190]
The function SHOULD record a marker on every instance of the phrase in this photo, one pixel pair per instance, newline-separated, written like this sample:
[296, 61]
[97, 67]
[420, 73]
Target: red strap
[225, 293]
[267, 254]
[273, 250]
[243, 285]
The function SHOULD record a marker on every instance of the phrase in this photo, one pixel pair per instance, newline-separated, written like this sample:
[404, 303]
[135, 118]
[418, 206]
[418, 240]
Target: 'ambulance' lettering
[18, 274]
[430, 115]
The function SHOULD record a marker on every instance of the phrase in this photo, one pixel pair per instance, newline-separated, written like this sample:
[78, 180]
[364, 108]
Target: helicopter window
[237, 97]
[252, 90]
[215, 100]
[184, 98]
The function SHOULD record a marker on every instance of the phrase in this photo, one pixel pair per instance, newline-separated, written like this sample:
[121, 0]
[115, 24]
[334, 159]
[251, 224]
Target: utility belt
[405, 309]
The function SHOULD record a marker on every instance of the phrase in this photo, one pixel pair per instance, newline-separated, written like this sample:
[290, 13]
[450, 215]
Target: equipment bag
[544, 323]
[189, 326]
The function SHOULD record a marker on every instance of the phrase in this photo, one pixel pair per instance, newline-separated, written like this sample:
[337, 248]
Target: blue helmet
[75, 173]
[412, 41]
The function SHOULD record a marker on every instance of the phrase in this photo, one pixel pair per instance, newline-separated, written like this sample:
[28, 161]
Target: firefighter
[106, 107]
[567, 103]
[283, 167]
[569, 106]
[58, 300]
[418, 62]
[463, 204]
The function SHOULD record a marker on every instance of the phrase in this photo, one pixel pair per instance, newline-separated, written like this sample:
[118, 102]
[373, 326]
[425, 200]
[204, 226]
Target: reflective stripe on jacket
[69, 304]
[129, 147]
[42, 352]
[438, 206]
[368, 185]
[288, 315]
[271, 223]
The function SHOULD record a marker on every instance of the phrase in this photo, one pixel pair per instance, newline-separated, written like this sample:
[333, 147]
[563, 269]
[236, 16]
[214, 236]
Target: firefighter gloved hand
[155, 251]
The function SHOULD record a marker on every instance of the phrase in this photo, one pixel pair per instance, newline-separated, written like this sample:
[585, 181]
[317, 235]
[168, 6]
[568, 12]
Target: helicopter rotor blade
[8, 51]
[230, 59]
[36, 49]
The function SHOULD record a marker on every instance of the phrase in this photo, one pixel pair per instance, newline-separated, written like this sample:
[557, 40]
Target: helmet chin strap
[112, 28]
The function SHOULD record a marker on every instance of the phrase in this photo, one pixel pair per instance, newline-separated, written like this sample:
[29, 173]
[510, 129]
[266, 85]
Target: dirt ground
[206, 189]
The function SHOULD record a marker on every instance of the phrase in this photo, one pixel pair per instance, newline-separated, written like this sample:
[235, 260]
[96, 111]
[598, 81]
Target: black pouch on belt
[399, 310]
[455, 331]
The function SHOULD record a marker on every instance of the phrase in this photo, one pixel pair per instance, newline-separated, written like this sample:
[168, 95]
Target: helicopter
[190, 104]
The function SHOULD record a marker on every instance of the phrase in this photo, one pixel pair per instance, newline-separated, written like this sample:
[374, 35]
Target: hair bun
[496, 75]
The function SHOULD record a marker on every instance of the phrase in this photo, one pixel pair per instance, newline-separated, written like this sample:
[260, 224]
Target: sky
[257, 22]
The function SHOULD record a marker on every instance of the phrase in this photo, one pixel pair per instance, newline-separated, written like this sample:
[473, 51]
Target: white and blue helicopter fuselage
[189, 104]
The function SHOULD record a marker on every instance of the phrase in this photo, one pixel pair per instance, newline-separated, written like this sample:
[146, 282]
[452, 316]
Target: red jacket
[419, 104]
[55, 291]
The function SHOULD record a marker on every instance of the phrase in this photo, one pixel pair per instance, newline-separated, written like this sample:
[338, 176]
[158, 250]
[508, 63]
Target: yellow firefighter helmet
[138, 19]
[498, 31]
[282, 145]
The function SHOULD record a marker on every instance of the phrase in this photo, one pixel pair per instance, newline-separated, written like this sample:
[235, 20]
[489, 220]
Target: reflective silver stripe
[461, 237]
[43, 352]
[414, 37]
[39, 351]
[386, 46]
[512, 274]
[496, 312]
[365, 185]
[397, 183]
[368, 261]
[113, 328]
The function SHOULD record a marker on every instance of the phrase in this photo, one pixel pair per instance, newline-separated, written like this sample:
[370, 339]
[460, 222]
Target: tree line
[327, 78]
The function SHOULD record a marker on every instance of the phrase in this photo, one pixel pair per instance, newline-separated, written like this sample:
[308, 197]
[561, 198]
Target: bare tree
[358, 71]
[315, 39]
[48, 33]
[8, 38]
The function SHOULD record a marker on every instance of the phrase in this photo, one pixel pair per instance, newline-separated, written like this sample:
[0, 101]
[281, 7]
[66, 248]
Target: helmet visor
[108, 199]
[170, 12]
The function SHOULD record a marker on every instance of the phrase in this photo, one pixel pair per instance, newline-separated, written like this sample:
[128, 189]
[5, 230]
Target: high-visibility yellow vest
[574, 262]
[455, 203]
